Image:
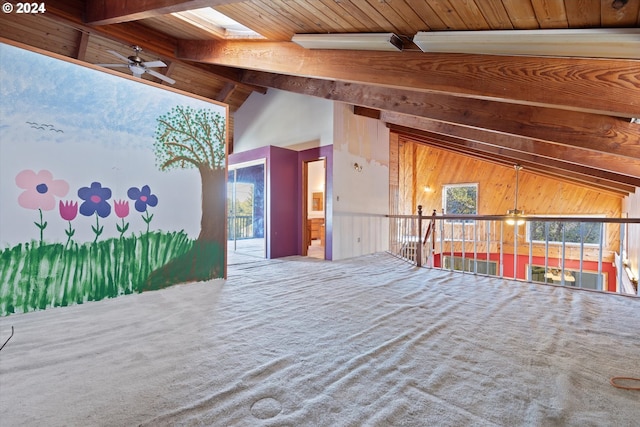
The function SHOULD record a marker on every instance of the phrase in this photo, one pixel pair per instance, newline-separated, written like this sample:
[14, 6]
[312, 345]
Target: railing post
[419, 240]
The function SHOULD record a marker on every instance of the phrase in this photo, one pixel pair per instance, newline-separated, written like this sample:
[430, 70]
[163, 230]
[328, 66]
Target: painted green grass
[35, 276]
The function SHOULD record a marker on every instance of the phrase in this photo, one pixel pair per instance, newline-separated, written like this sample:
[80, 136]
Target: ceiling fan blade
[161, 76]
[124, 58]
[113, 65]
[153, 64]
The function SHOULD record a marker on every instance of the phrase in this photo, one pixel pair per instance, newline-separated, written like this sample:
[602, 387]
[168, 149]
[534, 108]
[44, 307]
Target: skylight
[211, 20]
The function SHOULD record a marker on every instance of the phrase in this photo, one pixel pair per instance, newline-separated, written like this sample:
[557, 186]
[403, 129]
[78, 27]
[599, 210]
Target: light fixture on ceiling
[588, 43]
[516, 216]
[350, 41]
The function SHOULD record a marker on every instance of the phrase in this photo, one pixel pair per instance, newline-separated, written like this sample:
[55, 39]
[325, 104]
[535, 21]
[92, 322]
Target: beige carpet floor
[369, 341]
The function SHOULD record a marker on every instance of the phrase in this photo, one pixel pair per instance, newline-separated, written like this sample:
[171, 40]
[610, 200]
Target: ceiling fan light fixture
[137, 69]
[138, 66]
[515, 215]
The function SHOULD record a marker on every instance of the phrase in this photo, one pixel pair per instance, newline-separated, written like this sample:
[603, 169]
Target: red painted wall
[523, 261]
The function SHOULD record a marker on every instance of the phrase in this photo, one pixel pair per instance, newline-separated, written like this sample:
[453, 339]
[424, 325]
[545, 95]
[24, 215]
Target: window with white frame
[460, 199]
[557, 232]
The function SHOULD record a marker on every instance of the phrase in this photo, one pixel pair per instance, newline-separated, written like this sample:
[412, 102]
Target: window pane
[572, 231]
[461, 199]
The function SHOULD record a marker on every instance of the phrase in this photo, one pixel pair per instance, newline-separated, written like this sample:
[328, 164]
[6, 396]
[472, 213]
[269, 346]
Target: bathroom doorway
[314, 209]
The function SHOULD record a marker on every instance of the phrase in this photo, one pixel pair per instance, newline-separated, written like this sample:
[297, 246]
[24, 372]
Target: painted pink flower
[68, 210]
[40, 188]
[121, 207]
[122, 210]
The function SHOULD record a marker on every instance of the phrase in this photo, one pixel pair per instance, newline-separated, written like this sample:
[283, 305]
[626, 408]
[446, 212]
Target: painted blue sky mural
[97, 198]
[84, 126]
[78, 100]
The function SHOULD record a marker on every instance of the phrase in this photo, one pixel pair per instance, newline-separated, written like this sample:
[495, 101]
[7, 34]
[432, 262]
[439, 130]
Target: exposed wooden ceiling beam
[576, 129]
[505, 160]
[608, 87]
[554, 168]
[83, 42]
[225, 92]
[103, 12]
[232, 75]
[602, 161]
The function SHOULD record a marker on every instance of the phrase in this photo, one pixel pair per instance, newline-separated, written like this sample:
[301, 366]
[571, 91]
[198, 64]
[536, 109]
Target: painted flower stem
[97, 228]
[122, 228]
[41, 225]
[70, 232]
[147, 218]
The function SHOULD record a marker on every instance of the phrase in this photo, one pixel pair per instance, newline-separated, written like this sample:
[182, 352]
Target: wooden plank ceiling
[561, 117]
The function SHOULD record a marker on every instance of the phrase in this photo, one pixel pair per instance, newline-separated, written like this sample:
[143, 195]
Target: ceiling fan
[138, 66]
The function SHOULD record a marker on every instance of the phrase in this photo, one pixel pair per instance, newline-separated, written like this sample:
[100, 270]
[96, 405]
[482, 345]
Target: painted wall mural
[108, 186]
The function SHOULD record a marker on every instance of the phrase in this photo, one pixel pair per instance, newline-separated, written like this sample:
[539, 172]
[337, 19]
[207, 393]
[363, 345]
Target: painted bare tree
[188, 138]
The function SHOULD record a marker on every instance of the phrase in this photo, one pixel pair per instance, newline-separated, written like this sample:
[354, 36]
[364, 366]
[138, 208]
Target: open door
[246, 209]
[314, 209]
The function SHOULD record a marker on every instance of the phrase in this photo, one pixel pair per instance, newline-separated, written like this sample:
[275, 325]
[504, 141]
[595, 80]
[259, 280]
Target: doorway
[245, 209]
[314, 209]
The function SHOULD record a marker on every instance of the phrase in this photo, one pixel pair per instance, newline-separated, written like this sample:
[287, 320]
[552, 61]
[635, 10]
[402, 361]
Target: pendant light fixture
[516, 216]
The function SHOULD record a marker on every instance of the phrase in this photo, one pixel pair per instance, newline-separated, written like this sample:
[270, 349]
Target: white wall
[283, 119]
[360, 198]
[631, 207]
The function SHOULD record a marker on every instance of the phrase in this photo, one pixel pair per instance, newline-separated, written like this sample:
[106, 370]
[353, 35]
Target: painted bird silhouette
[44, 126]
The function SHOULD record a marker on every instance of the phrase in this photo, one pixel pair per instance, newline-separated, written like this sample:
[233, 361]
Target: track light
[350, 41]
[589, 43]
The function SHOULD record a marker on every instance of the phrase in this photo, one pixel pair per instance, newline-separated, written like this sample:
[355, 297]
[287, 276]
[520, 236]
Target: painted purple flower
[143, 197]
[68, 210]
[41, 189]
[95, 200]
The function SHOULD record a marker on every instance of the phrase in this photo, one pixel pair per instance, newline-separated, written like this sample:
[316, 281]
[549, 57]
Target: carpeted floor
[369, 341]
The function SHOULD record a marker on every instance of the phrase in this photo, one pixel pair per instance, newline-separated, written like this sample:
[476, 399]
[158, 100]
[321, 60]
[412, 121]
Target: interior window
[568, 232]
[460, 199]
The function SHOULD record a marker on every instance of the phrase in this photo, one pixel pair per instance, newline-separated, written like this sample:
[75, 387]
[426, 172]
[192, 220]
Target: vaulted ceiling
[559, 116]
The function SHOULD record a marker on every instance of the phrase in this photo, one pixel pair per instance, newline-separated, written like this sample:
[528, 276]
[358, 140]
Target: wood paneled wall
[421, 166]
